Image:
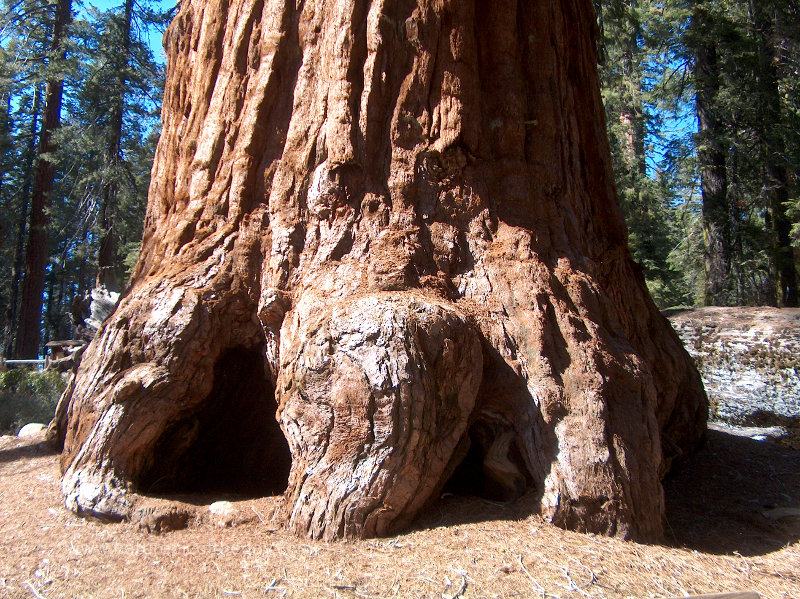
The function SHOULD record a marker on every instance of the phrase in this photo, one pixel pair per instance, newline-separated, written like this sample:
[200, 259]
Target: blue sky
[155, 36]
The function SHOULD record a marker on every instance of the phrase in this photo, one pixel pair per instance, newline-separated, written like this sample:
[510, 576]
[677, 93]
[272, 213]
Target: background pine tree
[702, 116]
[101, 153]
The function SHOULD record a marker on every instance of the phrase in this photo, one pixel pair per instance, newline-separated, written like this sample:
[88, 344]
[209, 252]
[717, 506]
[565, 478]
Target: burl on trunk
[393, 223]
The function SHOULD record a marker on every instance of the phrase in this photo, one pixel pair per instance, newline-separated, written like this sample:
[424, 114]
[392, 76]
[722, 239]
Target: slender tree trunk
[633, 107]
[30, 319]
[6, 149]
[774, 152]
[62, 332]
[394, 224]
[711, 156]
[22, 222]
[106, 273]
[51, 309]
[5, 203]
[84, 281]
[600, 48]
[106, 270]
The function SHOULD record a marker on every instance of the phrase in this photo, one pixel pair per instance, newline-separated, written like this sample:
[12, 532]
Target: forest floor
[724, 535]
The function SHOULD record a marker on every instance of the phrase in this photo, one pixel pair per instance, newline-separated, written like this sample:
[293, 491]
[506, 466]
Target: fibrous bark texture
[394, 223]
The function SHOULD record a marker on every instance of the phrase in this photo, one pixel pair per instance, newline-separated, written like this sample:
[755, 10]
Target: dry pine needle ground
[465, 547]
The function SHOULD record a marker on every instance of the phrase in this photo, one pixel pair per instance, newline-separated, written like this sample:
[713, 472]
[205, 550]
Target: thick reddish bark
[406, 211]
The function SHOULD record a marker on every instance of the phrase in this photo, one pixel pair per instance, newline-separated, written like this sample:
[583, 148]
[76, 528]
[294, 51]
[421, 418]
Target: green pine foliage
[28, 396]
[105, 70]
[648, 55]
[23, 68]
[787, 32]
[643, 91]
[114, 74]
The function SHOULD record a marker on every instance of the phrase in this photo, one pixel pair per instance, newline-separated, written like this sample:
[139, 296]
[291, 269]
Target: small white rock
[223, 512]
[221, 508]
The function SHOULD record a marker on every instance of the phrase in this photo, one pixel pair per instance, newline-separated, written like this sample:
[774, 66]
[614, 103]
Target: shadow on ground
[13, 449]
[725, 498]
[454, 510]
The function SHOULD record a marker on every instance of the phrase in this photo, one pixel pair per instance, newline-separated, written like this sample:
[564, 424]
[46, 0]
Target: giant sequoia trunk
[394, 224]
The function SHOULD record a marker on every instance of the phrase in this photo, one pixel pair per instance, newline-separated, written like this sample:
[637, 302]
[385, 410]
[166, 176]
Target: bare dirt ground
[720, 540]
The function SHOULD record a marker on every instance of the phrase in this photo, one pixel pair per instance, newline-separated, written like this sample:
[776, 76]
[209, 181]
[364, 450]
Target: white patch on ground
[758, 433]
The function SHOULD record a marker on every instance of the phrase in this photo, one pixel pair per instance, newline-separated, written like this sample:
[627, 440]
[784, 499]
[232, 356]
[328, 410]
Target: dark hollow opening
[475, 477]
[232, 445]
[468, 478]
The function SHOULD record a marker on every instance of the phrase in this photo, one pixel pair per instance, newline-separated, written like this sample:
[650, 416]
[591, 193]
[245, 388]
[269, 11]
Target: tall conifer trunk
[711, 156]
[774, 151]
[392, 224]
[106, 274]
[21, 229]
[30, 319]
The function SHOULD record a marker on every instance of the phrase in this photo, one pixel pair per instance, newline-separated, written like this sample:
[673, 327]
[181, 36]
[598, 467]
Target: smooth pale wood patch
[742, 595]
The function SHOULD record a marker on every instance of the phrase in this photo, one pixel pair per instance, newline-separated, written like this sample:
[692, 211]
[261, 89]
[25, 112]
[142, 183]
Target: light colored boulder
[31, 429]
[749, 358]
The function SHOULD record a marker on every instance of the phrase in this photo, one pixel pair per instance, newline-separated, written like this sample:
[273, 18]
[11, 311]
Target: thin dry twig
[272, 587]
[539, 587]
[565, 571]
[459, 592]
[592, 577]
[34, 591]
[259, 516]
[679, 586]
[396, 590]
[746, 563]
